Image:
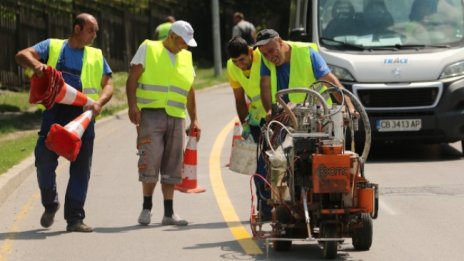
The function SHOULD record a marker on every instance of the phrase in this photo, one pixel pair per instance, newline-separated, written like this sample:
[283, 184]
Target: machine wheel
[329, 248]
[362, 237]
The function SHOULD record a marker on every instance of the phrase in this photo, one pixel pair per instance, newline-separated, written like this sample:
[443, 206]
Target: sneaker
[145, 217]
[79, 227]
[48, 217]
[174, 220]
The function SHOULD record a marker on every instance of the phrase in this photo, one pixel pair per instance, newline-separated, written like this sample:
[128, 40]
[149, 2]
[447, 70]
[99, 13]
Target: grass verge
[15, 150]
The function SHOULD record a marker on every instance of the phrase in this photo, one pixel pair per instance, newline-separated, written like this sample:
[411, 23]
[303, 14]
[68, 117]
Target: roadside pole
[216, 38]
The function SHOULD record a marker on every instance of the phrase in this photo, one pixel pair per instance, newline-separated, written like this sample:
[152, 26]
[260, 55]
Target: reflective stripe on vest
[162, 84]
[250, 84]
[92, 67]
[301, 71]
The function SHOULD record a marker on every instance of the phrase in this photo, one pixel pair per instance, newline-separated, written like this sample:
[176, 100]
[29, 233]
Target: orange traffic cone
[71, 96]
[44, 89]
[236, 136]
[66, 141]
[189, 171]
[51, 88]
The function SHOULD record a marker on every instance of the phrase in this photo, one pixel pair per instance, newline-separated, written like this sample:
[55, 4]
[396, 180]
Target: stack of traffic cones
[66, 141]
[237, 135]
[189, 171]
[51, 88]
[44, 89]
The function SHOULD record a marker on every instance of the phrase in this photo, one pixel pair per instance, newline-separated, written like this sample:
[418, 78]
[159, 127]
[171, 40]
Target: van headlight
[341, 73]
[453, 70]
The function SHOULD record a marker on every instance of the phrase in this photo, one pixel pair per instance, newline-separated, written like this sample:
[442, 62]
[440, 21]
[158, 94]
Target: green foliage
[14, 101]
[205, 78]
[15, 150]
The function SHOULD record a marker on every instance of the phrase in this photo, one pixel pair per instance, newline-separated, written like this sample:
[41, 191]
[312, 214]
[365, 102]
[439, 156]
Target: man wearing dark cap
[159, 91]
[307, 66]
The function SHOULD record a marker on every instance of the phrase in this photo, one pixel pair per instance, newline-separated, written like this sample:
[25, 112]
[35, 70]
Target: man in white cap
[159, 89]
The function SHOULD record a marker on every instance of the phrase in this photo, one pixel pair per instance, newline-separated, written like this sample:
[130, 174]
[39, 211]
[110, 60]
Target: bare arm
[135, 72]
[29, 58]
[192, 111]
[266, 98]
[240, 104]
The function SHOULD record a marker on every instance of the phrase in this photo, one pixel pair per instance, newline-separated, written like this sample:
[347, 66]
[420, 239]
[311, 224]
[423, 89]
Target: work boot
[174, 220]
[145, 217]
[79, 226]
[48, 217]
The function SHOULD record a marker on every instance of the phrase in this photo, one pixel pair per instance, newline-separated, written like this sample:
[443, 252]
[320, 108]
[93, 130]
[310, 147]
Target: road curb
[10, 180]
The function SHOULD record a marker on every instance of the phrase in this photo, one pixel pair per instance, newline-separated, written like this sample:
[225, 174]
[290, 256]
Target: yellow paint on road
[240, 233]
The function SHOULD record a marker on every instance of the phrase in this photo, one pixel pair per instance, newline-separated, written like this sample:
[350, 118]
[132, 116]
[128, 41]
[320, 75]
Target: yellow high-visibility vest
[250, 85]
[301, 71]
[163, 84]
[92, 67]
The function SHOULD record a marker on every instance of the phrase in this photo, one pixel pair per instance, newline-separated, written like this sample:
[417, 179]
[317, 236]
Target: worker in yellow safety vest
[83, 67]
[159, 90]
[287, 64]
[243, 69]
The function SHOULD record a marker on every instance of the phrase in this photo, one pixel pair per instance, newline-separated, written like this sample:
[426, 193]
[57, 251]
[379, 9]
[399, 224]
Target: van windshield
[385, 23]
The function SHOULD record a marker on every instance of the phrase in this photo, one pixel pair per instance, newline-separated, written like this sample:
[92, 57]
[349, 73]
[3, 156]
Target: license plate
[399, 125]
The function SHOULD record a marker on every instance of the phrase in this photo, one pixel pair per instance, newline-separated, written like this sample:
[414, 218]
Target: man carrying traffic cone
[84, 68]
[159, 90]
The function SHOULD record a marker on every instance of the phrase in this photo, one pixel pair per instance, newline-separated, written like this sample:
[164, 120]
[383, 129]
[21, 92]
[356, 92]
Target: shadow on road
[35, 234]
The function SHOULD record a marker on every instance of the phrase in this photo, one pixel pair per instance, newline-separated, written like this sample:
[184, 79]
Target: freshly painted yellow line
[240, 233]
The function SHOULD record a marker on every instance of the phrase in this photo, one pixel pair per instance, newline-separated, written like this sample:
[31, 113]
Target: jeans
[46, 162]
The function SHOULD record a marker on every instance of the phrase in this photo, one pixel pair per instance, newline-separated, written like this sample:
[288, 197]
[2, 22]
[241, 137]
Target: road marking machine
[319, 191]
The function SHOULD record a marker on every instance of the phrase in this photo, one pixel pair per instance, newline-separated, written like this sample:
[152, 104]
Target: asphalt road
[422, 191]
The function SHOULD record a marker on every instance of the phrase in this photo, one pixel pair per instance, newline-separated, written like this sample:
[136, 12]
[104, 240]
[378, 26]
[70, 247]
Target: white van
[403, 59]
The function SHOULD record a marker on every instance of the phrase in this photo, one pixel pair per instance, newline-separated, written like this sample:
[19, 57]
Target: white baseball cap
[184, 30]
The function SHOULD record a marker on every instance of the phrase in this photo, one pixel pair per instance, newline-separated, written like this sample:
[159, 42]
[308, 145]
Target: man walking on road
[84, 68]
[159, 89]
[243, 69]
